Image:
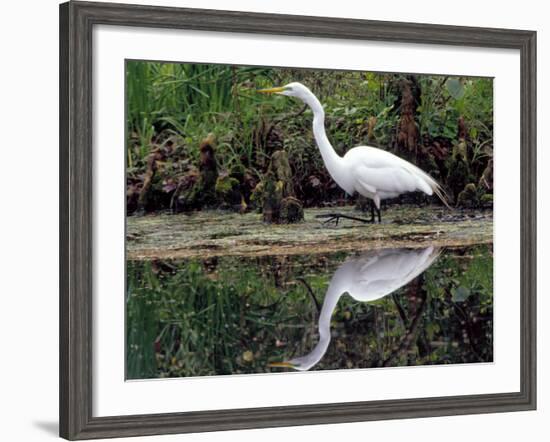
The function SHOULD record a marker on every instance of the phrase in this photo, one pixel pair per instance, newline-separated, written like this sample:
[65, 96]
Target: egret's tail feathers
[427, 181]
[431, 254]
[440, 192]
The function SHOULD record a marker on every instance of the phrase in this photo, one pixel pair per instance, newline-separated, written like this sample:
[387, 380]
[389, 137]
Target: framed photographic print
[271, 220]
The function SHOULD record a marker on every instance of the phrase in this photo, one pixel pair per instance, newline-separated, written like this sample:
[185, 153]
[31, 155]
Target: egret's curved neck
[331, 159]
[329, 305]
[334, 292]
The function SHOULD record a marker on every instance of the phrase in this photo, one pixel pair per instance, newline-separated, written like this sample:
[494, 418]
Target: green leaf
[460, 294]
[455, 88]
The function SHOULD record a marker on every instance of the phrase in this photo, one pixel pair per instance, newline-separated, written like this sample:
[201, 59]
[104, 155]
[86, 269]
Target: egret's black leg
[310, 291]
[331, 217]
[336, 217]
[400, 310]
[379, 216]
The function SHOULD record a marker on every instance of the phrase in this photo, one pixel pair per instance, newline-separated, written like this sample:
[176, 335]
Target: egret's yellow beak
[280, 365]
[273, 90]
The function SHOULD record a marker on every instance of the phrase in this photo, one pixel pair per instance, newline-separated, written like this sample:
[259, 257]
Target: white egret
[374, 173]
[366, 278]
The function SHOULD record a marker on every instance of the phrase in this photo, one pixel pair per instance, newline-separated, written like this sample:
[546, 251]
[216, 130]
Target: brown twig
[410, 335]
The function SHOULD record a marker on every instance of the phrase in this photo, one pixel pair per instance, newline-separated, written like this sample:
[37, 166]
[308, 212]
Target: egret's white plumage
[366, 278]
[369, 171]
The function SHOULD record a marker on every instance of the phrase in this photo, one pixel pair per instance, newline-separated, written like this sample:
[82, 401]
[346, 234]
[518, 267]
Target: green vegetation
[229, 316]
[444, 124]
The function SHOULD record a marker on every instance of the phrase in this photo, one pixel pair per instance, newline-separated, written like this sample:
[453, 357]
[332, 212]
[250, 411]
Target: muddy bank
[215, 233]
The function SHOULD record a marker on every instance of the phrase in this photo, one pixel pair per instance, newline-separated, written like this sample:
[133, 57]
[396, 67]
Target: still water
[378, 308]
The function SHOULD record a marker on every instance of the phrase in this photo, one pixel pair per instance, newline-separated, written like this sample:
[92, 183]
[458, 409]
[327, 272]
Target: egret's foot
[336, 218]
[330, 219]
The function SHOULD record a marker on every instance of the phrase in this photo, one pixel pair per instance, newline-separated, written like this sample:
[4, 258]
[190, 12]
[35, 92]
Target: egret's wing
[377, 170]
[388, 179]
[376, 277]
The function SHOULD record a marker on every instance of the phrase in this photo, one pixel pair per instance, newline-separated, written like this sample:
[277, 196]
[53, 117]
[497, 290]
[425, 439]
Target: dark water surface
[387, 307]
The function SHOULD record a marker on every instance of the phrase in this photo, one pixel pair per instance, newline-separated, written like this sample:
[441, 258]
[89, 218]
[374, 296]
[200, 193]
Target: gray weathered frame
[76, 23]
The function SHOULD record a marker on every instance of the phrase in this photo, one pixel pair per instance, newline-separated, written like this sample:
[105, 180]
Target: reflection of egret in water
[366, 277]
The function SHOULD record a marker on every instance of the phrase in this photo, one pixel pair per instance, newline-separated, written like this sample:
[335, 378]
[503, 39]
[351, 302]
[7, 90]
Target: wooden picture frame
[76, 243]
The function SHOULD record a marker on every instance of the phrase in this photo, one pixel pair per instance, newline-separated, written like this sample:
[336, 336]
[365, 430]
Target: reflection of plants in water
[210, 319]
[368, 277]
[233, 315]
[462, 305]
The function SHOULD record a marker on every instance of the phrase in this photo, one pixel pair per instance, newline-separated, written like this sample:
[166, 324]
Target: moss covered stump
[208, 169]
[228, 193]
[292, 210]
[272, 196]
[276, 193]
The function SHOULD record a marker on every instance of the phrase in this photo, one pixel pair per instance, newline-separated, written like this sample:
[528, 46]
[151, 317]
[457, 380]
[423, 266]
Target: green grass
[191, 100]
